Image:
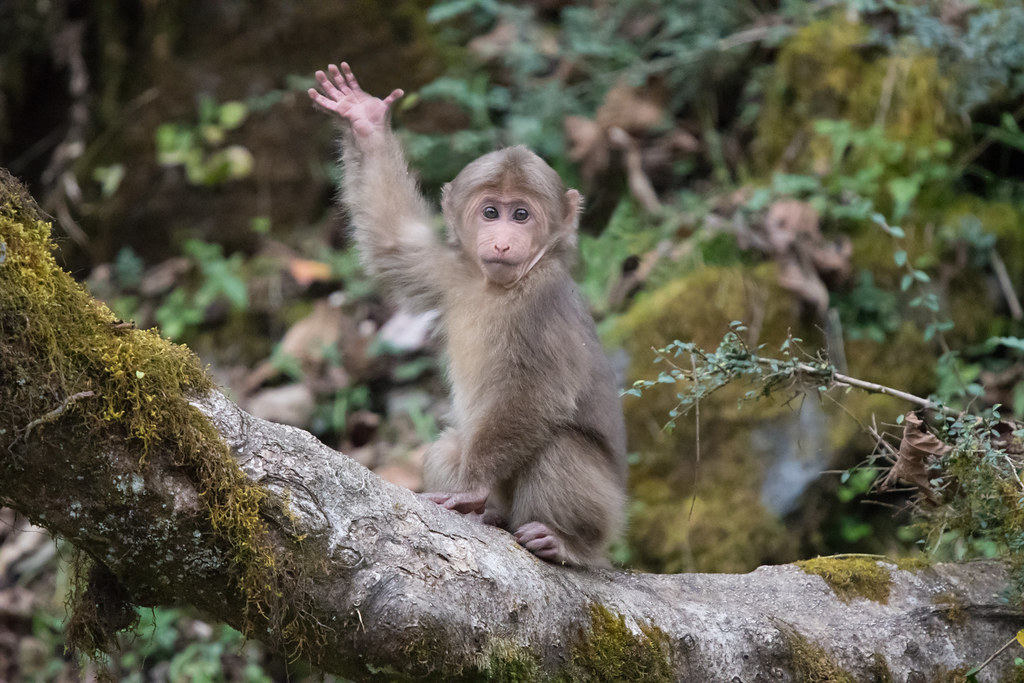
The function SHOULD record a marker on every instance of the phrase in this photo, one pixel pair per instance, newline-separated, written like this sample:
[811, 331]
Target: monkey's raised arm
[391, 220]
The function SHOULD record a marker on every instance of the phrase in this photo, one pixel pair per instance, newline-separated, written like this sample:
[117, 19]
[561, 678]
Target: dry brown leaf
[801, 279]
[916, 448]
[306, 272]
[639, 184]
[833, 260]
[496, 42]
[791, 233]
[401, 474]
[635, 272]
[291, 404]
[588, 146]
[632, 110]
[312, 342]
[313, 336]
[627, 110]
[1006, 441]
[164, 276]
[788, 221]
[406, 471]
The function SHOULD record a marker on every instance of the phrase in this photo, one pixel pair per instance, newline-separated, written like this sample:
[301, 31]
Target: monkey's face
[510, 234]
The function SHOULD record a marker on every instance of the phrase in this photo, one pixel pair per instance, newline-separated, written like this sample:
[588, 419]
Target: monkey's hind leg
[569, 505]
[443, 483]
[441, 463]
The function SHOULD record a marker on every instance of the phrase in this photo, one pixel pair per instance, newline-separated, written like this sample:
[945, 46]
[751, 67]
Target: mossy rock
[729, 529]
[853, 576]
[828, 70]
[725, 514]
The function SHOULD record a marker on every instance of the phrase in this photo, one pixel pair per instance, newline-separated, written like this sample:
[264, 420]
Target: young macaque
[536, 442]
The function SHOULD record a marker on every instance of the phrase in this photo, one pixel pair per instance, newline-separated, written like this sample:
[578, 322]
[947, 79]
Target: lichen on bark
[70, 367]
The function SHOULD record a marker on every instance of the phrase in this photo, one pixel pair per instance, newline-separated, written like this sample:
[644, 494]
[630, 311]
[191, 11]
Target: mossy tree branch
[115, 440]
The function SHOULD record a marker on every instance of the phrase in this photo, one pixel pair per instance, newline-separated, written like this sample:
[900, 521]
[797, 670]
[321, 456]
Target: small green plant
[332, 416]
[866, 170]
[964, 466]
[220, 278]
[199, 147]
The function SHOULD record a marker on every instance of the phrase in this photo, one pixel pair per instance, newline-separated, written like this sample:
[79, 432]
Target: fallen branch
[184, 498]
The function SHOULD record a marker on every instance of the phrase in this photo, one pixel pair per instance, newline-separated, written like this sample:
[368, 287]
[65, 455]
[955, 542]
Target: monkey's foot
[464, 502]
[541, 541]
[488, 518]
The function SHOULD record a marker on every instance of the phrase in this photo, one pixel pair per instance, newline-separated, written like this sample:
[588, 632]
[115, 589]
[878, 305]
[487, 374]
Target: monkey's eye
[490, 213]
[520, 215]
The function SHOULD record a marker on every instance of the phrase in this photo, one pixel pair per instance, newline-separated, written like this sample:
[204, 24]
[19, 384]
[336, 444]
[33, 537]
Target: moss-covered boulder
[830, 69]
[731, 493]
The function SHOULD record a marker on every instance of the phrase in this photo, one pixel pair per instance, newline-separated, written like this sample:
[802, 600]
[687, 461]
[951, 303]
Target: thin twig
[696, 417]
[1013, 471]
[1006, 285]
[995, 654]
[841, 379]
[56, 412]
[983, 144]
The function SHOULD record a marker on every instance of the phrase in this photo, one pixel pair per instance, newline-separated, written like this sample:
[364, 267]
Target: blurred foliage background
[844, 178]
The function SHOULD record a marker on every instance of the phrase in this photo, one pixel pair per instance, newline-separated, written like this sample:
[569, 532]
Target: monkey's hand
[343, 96]
[541, 541]
[464, 502]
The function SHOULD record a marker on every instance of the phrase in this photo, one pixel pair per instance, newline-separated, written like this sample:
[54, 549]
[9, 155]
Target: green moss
[612, 651]
[826, 71]
[881, 673]
[665, 535]
[952, 607]
[913, 564]
[510, 664]
[64, 355]
[678, 533]
[811, 663]
[905, 361]
[852, 576]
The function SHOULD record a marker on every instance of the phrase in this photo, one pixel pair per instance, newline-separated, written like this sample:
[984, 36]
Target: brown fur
[536, 422]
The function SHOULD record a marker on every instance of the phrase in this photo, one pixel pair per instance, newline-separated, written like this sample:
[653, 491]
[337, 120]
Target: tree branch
[376, 583]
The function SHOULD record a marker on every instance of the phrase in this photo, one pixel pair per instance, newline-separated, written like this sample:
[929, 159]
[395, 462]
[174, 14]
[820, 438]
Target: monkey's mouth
[500, 262]
[501, 271]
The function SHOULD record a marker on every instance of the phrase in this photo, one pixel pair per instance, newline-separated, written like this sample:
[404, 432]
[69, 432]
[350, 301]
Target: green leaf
[232, 114]
[109, 178]
[903, 191]
[900, 257]
[1014, 343]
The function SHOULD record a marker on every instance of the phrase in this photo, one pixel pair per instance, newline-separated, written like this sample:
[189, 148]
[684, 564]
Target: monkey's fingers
[395, 94]
[330, 91]
[350, 78]
[464, 505]
[541, 541]
[439, 498]
[320, 99]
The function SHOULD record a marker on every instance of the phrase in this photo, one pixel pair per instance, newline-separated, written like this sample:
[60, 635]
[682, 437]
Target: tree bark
[376, 583]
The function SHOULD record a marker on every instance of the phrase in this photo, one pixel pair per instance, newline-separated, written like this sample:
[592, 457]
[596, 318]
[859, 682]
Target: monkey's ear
[571, 220]
[451, 218]
[446, 198]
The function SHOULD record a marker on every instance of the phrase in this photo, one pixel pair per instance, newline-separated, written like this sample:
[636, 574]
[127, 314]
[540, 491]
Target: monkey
[535, 442]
